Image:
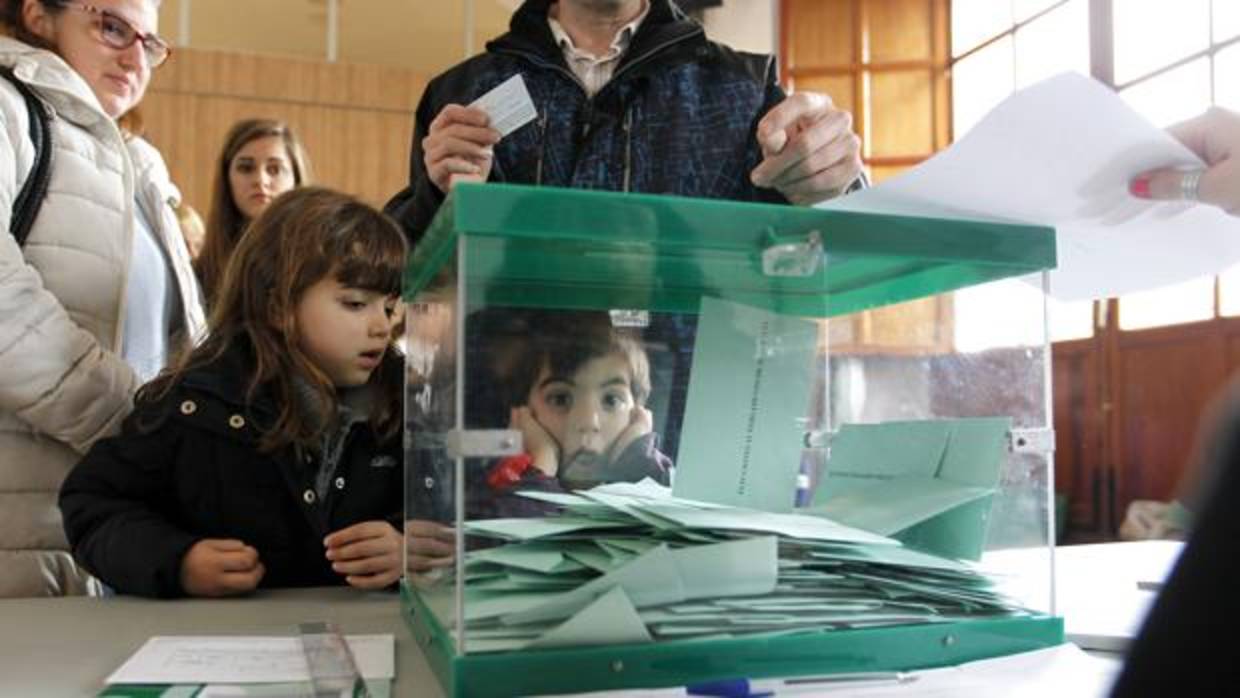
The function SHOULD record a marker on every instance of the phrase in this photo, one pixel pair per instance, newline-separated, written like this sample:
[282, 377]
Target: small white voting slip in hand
[508, 106]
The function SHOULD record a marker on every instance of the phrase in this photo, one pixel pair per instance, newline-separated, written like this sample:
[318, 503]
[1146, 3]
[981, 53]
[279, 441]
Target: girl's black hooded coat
[187, 466]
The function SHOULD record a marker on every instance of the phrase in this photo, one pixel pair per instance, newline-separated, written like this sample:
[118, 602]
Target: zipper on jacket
[586, 122]
[330, 498]
[542, 147]
[642, 58]
[628, 148]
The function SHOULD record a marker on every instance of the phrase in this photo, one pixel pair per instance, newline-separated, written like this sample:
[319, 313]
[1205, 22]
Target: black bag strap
[30, 198]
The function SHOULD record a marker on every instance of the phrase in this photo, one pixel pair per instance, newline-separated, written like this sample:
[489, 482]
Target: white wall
[748, 25]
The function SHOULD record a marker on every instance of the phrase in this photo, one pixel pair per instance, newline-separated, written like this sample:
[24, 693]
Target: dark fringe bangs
[370, 254]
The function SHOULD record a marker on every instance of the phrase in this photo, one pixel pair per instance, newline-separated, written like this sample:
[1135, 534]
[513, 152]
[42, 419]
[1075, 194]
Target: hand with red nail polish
[1215, 137]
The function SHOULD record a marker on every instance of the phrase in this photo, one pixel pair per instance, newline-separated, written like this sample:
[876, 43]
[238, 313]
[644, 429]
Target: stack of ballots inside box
[631, 563]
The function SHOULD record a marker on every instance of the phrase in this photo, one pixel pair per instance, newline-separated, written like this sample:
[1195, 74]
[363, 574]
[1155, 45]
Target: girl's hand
[218, 567]
[641, 422]
[429, 546]
[368, 554]
[541, 445]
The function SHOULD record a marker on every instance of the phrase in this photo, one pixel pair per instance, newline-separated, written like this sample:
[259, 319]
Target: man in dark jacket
[1186, 646]
[631, 96]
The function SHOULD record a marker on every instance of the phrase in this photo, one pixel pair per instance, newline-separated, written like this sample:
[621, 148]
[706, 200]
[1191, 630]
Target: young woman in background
[261, 159]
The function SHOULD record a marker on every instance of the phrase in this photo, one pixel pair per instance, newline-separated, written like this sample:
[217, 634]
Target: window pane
[1070, 320]
[995, 315]
[900, 30]
[1227, 77]
[1024, 9]
[1056, 42]
[985, 316]
[979, 83]
[1151, 35]
[822, 34]
[902, 115]
[974, 21]
[1173, 96]
[1226, 19]
[1229, 292]
[1191, 301]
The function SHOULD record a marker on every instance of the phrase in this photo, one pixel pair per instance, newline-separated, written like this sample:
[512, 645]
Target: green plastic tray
[894, 648]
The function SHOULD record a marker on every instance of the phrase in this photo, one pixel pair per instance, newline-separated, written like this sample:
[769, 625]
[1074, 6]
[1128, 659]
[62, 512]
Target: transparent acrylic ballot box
[654, 441]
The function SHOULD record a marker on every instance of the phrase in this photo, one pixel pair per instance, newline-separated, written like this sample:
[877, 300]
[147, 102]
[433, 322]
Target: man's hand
[218, 567]
[368, 554]
[458, 146]
[810, 151]
[1215, 137]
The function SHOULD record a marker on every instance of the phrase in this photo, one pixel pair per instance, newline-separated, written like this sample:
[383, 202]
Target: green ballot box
[654, 441]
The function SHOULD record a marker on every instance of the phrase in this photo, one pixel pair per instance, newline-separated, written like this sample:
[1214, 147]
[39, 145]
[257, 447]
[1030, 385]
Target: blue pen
[749, 688]
[734, 688]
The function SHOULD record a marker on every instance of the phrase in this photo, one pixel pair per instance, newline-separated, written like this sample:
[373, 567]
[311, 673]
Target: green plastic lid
[568, 248]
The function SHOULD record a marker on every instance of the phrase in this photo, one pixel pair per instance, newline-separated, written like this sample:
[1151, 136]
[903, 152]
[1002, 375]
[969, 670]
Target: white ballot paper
[242, 660]
[1060, 153]
[509, 105]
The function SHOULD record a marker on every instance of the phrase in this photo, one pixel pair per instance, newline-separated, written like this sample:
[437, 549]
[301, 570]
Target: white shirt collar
[619, 43]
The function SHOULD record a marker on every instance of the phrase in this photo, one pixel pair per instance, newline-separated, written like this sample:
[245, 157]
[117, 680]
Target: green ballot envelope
[929, 484]
[653, 441]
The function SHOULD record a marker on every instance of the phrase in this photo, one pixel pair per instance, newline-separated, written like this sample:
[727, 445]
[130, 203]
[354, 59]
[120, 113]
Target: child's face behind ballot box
[591, 415]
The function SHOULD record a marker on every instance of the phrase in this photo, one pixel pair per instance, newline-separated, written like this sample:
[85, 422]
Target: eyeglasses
[118, 33]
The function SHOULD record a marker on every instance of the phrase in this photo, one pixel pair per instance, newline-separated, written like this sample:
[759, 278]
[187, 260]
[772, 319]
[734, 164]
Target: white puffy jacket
[63, 383]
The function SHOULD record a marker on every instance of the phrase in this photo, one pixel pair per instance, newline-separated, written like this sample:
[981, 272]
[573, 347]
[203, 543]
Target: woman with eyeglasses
[101, 293]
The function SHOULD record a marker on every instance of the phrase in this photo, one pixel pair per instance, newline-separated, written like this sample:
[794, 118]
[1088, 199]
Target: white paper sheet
[243, 659]
[1095, 586]
[1063, 671]
[1061, 153]
[509, 105]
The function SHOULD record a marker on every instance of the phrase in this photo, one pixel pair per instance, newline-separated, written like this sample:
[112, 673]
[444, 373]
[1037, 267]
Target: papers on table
[659, 568]
[1063, 671]
[242, 660]
[1061, 153]
[1096, 588]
